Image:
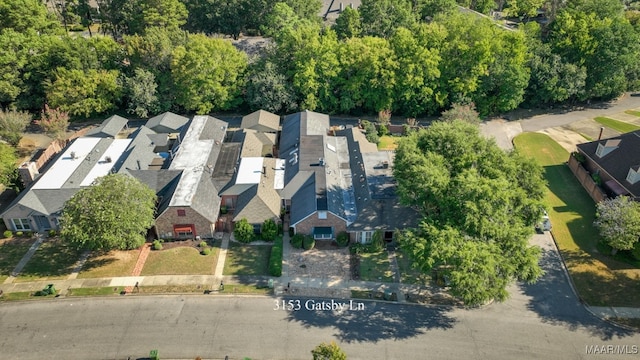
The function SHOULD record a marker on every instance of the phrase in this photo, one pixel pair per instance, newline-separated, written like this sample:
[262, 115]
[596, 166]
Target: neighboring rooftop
[261, 121]
[167, 123]
[109, 128]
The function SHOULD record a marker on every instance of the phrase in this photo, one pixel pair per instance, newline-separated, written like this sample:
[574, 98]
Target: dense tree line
[409, 58]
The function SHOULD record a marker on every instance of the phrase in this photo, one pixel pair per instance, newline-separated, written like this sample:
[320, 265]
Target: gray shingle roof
[109, 128]
[261, 121]
[167, 123]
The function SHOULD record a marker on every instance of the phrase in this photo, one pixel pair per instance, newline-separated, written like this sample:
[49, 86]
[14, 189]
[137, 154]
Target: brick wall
[306, 226]
[166, 220]
[586, 181]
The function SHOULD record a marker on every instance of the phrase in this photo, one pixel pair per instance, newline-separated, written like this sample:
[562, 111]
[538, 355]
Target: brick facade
[306, 226]
[169, 218]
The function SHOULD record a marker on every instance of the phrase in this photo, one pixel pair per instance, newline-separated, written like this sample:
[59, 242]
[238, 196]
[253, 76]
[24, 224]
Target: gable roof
[261, 121]
[109, 127]
[618, 161]
[254, 143]
[261, 201]
[167, 122]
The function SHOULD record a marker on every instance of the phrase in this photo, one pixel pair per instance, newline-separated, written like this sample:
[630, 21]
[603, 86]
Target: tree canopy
[8, 164]
[479, 206]
[114, 213]
[618, 221]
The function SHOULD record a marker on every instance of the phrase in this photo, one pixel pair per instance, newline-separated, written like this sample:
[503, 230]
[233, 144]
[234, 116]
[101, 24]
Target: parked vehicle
[544, 224]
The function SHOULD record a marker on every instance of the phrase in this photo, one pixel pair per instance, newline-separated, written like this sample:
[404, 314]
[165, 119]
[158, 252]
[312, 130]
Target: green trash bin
[153, 355]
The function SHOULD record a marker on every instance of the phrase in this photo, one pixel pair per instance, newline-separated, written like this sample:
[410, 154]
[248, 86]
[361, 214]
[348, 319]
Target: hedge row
[275, 260]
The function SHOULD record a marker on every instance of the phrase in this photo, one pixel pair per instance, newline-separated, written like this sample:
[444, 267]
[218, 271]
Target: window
[633, 176]
[322, 232]
[256, 229]
[21, 224]
[366, 236]
[322, 215]
[182, 212]
[600, 150]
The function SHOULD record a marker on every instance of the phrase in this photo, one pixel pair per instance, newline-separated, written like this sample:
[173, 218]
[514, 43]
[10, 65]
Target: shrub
[243, 231]
[371, 132]
[202, 244]
[19, 233]
[579, 156]
[29, 233]
[275, 259]
[7, 233]
[269, 230]
[157, 245]
[296, 241]
[383, 130]
[308, 243]
[52, 233]
[636, 251]
[342, 239]
[206, 251]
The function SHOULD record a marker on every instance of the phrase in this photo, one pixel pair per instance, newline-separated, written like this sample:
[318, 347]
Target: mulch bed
[180, 243]
[326, 245]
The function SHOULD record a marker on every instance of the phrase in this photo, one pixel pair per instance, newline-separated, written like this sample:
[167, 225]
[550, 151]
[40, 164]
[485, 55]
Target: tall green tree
[13, 59]
[207, 74]
[618, 221]
[84, 94]
[141, 92]
[268, 89]
[128, 17]
[382, 17]
[478, 214]
[348, 24]
[114, 213]
[22, 15]
[12, 124]
[8, 164]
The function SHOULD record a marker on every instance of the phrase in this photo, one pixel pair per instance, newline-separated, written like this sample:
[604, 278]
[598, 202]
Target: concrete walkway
[25, 259]
[222, 255]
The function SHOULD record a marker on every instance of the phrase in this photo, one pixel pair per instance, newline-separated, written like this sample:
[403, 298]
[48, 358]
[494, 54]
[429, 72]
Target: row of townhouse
[207, 177]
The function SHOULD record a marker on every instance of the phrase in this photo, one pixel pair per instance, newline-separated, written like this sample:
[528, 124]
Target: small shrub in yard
[342, 239]
[308, 243]
[243, 231]
[202, 244]
[52, 233]
[296, 241]
[157, 245]
[206, 251]
[7, 233]
[29, 233]
[275, 260]
[269, 230]
[19, 233]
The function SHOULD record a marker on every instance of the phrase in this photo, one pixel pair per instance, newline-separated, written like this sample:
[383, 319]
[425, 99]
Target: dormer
[607, 147]
[634, 174]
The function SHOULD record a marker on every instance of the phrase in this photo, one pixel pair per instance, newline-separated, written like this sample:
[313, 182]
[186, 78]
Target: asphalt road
[541, 321]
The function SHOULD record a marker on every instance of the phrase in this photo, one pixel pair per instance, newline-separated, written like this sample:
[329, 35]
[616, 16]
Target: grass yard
[409, 275]
[600, 280]
[17, 296]
[112, 264]
[633, 112]
[247, 259]
[53, 260]
[387, 142]
[11, 251]
[181, 260]
[375, 267]
[616, 125]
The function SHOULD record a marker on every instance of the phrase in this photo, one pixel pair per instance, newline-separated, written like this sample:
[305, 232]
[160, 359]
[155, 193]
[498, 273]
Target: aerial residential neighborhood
[370, 179]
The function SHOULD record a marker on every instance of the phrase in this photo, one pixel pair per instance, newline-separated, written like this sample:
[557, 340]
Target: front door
[42, 223]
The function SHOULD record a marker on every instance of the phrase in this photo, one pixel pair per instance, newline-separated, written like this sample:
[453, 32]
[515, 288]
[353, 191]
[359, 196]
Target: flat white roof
[66, 165]
[250, 170]
[278, 181]
[191, 158]
[106, 161]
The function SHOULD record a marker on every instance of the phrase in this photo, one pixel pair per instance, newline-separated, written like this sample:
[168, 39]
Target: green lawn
[616, 125]
[111, 264]
[180, 261]
[54, 259]
[633, 112]
[375, 267]
[11, 251]
[409, 275]
[387, 142]
[98, 291]
[599, 279]
[247, 259]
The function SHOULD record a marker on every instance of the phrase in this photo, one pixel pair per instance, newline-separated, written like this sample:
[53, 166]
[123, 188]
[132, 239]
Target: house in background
[110, 128]
[318, 190]
[377, 204]
[262, 121]
[617, 162]
[167, 123]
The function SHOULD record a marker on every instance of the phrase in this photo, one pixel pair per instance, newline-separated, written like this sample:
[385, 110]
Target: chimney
[600, 135]
[28, 173]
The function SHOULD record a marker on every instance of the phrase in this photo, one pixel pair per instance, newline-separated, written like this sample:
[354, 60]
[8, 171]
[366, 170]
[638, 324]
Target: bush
[296, 241]
[383, 130]
[269, 230]
[371, 132]
[7, 233]
[29, 233]
[202, 244]
[342, 239]
[243, 231]
[275, 259]
[206, 251]
[52, 233]
[157, 245]
[308, 243]
[19, 233]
